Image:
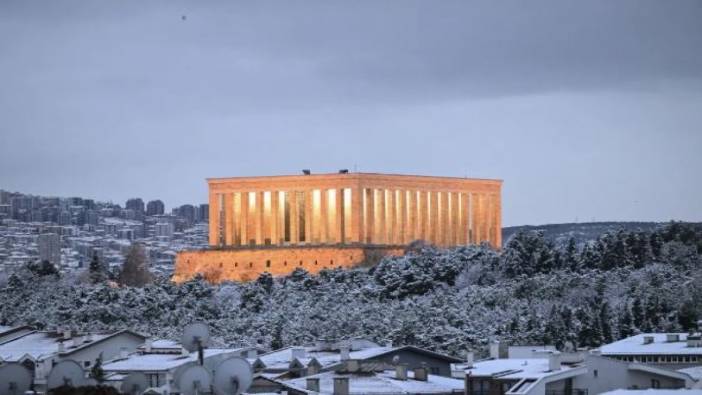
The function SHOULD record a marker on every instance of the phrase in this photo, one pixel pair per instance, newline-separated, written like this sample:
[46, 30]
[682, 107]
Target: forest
[532, 291]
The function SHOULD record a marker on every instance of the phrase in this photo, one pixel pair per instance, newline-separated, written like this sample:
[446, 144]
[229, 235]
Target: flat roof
[349, 174]
[634, 345]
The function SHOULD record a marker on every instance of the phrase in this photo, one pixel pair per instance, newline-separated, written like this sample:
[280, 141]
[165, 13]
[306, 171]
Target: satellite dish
[232, 376]
[195, 336]
[193, 380]
[15, 379]
[134, 384]
[67, 373]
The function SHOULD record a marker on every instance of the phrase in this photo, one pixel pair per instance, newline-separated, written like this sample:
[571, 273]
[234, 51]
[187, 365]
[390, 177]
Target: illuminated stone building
[278, 223]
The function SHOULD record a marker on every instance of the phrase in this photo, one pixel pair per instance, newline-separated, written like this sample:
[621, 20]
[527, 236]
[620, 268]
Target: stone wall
[246, 264]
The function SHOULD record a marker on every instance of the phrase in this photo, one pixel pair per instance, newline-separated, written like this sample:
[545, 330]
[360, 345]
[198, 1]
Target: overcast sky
[588, 110]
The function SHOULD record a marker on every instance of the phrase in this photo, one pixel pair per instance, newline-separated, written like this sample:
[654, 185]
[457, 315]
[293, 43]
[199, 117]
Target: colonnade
[354, 215]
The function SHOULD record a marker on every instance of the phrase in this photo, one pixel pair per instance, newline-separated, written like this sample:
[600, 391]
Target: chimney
[495, 350]
[298, 352]
[401, 372]
[420, 374]
[67, 334]
[61, 347]
[672, 338]
[148, 344]
[554, 362]
[251, 354]
[647, 339]
[345, 352]
[313, 384]
[470, 358]
[341, 386]
[123, 353]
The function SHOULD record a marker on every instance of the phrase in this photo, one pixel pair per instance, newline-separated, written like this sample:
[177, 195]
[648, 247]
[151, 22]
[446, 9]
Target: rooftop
[160, 362]
[384, 382]
[634, 345]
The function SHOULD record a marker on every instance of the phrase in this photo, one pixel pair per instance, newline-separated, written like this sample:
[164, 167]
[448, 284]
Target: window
[331, 262]
[655, 383]
[594, 372]
[220, 265]
[300, 263]
[434, 370]
[250, 264]
[86, 364]
[285, 263]
[268, 263]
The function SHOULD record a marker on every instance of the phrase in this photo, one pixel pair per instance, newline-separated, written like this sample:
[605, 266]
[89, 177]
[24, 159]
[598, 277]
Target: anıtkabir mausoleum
[315, 221]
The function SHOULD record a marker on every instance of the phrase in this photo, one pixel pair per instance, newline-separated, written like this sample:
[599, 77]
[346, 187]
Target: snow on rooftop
[695, 372]
[515, 368]
[160, 362]
[383, 383]
[281, 359]
[655, 392]
[634, 345]
[38, 345]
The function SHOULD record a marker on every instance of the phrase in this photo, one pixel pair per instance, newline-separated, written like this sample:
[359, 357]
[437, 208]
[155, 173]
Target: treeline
[531, 292]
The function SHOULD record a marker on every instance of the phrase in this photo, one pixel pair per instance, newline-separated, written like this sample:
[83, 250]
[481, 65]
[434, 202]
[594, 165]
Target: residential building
[666, 350]
[155, 207]
[49, 246]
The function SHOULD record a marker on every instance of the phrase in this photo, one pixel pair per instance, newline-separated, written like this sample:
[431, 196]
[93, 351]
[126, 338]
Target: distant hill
[581, 232]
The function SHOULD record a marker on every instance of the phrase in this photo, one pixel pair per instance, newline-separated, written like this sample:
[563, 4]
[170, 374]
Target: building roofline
[350, 174]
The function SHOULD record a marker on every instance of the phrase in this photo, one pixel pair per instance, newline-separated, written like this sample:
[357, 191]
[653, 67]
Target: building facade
[279, 214]
[49, 246]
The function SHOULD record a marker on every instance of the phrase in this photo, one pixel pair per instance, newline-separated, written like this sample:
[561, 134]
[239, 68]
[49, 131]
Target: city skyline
[582, 120]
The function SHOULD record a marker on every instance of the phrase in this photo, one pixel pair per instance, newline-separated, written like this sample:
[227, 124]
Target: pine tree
[96, 372]
[637, 313]
[626, 323]
[96, 270]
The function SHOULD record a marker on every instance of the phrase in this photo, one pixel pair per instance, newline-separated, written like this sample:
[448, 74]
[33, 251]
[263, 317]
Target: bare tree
[135, 271]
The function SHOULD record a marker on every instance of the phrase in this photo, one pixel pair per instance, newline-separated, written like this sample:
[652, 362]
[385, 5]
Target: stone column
[245, 234]
[369, 217]
[228, 219]
[275, 218]
[444, 218]
[402, 217]
[340, 219]
[392, 217]
[423, 225]
[294, 217]
[498, 220]
[412, 216]
[357, 232]
[381, 215]
[463, 224]
[323, 216]
[259, 218]
[455, 219]
[308, 216]
[478, 221]
[214, 219]
[434, 223]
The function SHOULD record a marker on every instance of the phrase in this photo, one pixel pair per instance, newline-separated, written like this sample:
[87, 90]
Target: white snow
[383, 383]
[655, 392]
[634, 345]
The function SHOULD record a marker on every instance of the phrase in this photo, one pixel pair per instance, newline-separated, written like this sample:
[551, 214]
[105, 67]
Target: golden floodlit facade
[315, 221]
